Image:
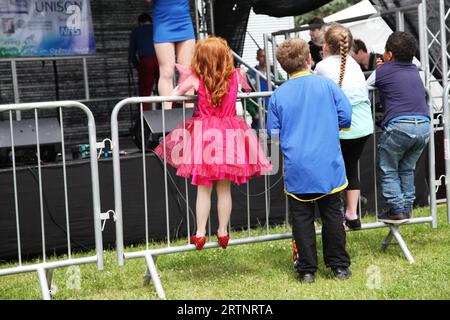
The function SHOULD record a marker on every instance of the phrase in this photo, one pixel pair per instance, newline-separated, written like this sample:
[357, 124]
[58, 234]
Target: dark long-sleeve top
[141, 44]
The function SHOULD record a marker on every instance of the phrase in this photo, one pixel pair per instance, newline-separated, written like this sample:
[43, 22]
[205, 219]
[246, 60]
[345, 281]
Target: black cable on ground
[49, 213]
[179, 195]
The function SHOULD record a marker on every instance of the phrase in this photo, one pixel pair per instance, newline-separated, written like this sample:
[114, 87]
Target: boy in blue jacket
[307, 112]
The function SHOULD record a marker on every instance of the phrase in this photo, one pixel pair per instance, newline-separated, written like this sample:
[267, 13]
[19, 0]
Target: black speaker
[24, 132]
[153, 125]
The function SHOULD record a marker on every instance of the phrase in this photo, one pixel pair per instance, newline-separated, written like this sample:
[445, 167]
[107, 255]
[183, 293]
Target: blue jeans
[400, 146]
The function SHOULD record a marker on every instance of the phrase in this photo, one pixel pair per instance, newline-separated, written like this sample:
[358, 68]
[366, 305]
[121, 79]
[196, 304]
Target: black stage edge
[80, 203]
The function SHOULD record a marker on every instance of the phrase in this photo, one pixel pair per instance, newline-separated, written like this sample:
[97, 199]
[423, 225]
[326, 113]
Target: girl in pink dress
[215, 146]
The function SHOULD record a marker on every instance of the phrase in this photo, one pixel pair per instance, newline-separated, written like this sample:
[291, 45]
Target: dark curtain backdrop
[284, 8]
[230, 19]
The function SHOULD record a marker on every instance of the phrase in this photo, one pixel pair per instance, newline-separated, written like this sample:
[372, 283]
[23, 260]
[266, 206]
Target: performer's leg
[165, 53]
[184, 52]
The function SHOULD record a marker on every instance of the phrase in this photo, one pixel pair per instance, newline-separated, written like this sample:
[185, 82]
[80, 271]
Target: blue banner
[43, 28]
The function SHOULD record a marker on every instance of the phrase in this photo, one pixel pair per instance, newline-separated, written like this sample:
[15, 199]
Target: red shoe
[223, 241]
[198, 241]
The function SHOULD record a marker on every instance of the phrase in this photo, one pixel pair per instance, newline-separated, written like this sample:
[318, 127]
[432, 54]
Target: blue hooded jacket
[308, 111]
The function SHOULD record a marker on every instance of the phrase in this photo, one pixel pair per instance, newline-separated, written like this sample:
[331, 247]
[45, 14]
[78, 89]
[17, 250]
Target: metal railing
[258, 77]
[150, 253]
[15, 82]
[445, 104]
[45, 268]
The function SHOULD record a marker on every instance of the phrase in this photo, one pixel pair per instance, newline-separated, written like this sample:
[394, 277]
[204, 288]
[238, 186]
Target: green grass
[265, 271]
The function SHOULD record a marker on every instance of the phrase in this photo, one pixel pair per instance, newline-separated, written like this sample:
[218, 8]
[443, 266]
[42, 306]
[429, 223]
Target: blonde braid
[343, 50]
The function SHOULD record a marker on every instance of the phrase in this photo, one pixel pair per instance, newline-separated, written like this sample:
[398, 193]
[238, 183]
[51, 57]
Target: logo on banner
[73, 24]
[40, 28]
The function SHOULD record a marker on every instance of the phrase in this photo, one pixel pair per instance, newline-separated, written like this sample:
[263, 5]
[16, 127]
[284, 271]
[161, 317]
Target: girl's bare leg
[351, 199]
[224, 205]
[203, 207]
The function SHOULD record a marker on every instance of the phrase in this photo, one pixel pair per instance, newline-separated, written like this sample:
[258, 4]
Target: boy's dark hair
[316, 20]
[144, 17]
[359, 45]
[402, 45]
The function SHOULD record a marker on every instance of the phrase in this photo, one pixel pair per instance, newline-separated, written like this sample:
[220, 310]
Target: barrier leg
[52, 286]
[402, 244]
[147, 278]
[148, 275]
[387, 241]
[155, 277]
[44, 284]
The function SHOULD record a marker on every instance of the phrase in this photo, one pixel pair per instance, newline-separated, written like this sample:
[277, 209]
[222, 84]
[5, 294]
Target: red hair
[213, 63]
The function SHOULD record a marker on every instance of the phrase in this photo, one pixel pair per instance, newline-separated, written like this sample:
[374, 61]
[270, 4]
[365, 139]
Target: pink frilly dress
[214, 144]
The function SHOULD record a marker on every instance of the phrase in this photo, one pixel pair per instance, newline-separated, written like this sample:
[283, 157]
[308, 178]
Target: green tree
[326, 10]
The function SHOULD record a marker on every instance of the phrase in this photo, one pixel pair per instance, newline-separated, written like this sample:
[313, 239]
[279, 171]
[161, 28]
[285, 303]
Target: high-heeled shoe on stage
[223, 240]
[198, 241]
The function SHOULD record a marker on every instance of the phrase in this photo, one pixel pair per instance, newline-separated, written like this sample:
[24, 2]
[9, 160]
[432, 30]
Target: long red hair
[213, 63]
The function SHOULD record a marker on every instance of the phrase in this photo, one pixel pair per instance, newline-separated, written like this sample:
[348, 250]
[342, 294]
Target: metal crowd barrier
[45, 268]
[151, 254]
[445, 104]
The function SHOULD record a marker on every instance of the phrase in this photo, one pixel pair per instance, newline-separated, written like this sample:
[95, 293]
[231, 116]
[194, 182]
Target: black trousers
[333, 232]
[351, 151]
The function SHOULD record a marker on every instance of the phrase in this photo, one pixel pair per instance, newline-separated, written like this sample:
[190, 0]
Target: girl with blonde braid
[339, 66]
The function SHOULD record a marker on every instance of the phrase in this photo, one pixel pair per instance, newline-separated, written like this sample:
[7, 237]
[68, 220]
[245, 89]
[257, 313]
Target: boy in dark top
[317, 40]
[406, 125]
[366, 60]
[141, 54]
